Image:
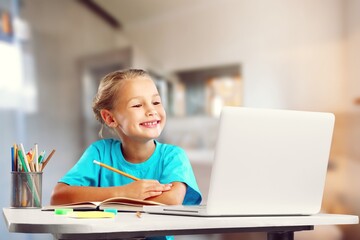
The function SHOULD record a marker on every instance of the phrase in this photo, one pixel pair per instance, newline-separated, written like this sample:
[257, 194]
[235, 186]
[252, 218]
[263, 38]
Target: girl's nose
[152, 112]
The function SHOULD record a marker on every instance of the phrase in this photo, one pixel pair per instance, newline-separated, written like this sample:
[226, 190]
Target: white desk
[126, 225]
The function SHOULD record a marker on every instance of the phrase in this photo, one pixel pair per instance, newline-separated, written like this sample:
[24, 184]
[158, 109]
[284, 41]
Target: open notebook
[267, 162]
[119, 203]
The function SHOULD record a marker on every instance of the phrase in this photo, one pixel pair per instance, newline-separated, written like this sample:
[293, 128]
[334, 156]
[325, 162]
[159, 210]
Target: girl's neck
[137, 152]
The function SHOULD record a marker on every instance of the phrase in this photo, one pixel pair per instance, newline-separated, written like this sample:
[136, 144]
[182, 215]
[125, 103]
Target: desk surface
[129, 225]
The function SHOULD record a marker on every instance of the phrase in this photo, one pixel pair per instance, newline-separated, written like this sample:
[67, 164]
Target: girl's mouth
[150, 123]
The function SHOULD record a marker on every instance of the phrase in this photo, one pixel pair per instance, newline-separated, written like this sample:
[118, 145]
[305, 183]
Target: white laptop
[267, 162]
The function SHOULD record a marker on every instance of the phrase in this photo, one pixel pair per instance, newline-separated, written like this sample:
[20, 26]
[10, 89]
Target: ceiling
[128, 12]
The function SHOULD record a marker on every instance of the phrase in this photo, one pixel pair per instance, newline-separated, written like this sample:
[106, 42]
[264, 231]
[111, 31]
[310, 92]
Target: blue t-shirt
[167, 164]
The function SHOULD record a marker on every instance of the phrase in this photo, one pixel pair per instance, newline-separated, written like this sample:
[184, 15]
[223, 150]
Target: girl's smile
[150, 124]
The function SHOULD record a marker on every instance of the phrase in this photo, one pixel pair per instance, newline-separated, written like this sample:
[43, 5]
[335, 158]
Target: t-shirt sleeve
[84, 172]
[177, 168]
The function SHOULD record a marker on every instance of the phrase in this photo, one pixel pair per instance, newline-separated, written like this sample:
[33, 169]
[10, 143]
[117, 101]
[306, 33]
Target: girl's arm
[175, 196]
[142, 189]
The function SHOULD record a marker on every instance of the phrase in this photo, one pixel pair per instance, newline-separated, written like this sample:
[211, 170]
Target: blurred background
[203, 54]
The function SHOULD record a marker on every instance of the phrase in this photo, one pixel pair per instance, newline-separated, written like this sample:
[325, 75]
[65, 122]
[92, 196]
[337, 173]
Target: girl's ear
[108, 118]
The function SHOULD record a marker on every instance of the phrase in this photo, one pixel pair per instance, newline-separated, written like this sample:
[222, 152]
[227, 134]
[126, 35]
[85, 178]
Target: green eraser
[63, 211]
[111, 210]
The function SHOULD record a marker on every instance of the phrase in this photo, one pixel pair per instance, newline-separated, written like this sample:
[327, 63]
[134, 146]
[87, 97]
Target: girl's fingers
[160, 187]
[152, 194]
[154, 185]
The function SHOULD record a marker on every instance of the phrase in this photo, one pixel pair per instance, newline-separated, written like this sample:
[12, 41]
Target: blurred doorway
[92, 70]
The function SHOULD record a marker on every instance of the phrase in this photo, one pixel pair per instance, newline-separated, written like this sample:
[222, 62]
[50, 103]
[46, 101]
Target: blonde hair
[108, 91]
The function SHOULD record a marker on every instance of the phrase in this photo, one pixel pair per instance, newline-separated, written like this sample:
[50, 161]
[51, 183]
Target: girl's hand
[143, 189]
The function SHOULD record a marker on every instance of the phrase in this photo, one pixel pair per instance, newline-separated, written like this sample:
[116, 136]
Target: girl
[128, 103]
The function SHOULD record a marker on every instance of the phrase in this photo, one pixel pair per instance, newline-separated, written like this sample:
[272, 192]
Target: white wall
[292, 52]
[352, 43]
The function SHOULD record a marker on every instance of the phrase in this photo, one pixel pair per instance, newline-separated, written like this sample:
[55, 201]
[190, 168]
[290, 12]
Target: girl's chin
[151, 136]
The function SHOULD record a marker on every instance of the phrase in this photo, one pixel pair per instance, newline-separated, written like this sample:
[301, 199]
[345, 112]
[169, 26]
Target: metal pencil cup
[26, 189]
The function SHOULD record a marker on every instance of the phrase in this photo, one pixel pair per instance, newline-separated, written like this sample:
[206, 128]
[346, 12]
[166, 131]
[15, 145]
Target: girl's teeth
[149, 123]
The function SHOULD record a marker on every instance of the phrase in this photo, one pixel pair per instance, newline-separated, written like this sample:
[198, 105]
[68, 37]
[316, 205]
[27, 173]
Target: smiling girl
[128, 102]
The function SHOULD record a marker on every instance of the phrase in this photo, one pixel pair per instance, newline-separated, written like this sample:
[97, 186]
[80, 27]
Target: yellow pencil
[116, 170]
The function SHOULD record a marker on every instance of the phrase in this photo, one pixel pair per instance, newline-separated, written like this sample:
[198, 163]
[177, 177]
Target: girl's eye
[157, 103]
[136, 106]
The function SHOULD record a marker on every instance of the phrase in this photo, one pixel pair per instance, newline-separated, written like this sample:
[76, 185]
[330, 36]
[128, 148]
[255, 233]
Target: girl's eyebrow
[140, 97]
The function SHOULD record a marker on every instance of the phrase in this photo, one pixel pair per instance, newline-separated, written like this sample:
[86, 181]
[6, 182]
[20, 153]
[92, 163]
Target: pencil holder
[26, 189]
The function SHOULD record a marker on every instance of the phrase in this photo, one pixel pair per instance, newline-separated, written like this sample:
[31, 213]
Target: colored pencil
[116, 170]
[47, 159]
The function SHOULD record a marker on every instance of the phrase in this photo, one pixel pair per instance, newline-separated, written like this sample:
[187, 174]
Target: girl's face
[138, 112]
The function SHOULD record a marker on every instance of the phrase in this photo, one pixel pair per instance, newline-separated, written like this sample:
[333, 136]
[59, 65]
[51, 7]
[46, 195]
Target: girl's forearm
[64, 193]
[175, 196]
